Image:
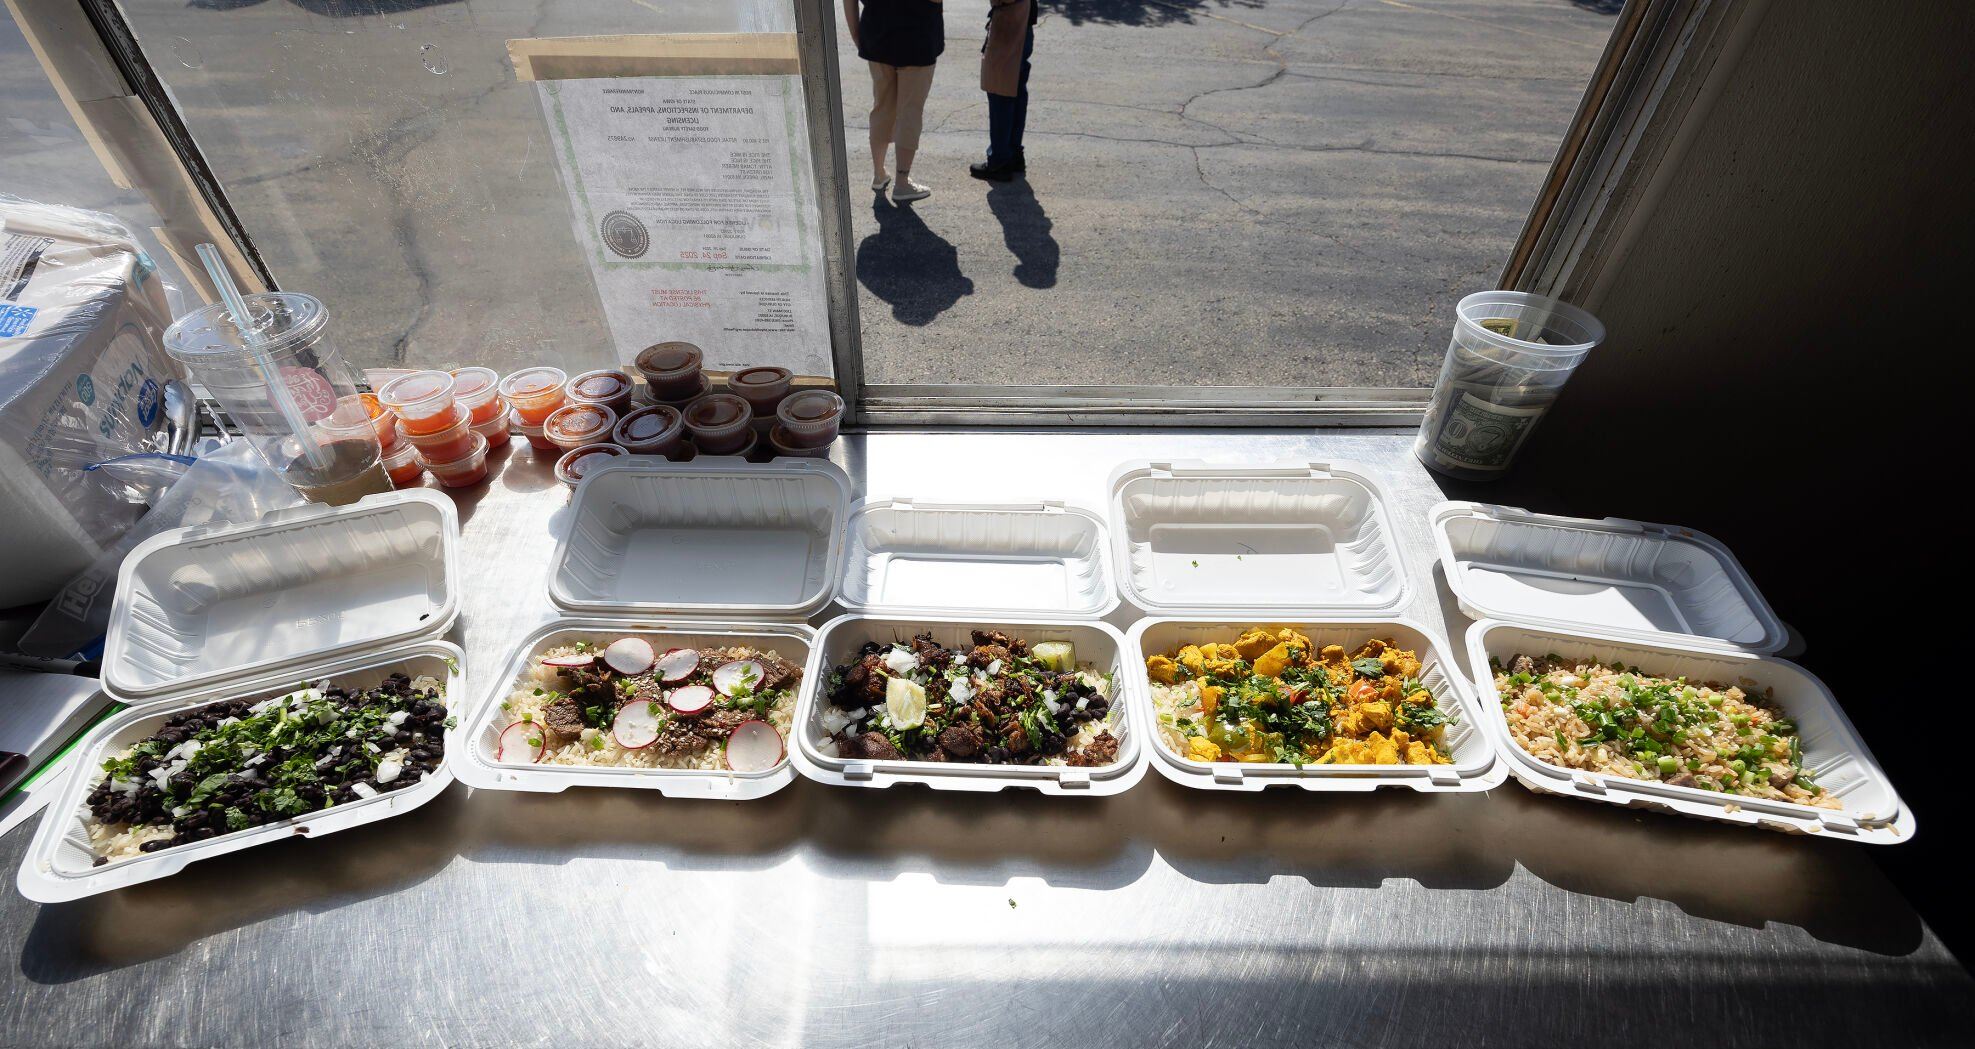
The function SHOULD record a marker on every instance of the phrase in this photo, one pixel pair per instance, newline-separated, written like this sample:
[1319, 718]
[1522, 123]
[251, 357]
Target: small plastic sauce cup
[673, 370]
[448, 445]
[535, 393]
[684, 452]
[577, 461]
[478, 391]
[810, 418]
[778, 439]
[606, 386]
[402, 465]
[575, 425]
[423, 402]
[384, 419]
[460, 473]
[494, 430]
[763, 388]
[655, 429]
[534, 434]
[719, 423]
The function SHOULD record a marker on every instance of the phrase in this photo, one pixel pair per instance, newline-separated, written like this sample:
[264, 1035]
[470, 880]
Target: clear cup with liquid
[1511, 354]
[289, 391]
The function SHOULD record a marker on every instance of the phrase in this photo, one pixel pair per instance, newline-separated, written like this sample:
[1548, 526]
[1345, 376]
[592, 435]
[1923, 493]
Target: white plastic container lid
[197, 608]
[1047, 559]
[1620, 577]
[1304, 536]
[716, 536]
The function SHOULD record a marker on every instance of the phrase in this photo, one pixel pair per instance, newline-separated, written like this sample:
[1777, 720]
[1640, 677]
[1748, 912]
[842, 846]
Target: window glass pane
[383, 156]
[44, 156]
[1228, 192]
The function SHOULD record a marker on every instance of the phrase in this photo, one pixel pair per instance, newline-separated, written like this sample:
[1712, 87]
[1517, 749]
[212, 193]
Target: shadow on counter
[83, 938]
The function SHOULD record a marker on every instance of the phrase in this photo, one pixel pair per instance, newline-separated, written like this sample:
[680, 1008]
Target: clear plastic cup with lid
[762, 388]
[719, 424]
[672, 369]
[778, 440]
[402, 465]
[285, 385]
[470, 469]
[606, 386]
[449, 444]
[536, 439]
[655, 429]
[478, 391]
[578, 461]
[574, 425]
[422, 401]
[535, 393]
[495, 430]
[810, 418]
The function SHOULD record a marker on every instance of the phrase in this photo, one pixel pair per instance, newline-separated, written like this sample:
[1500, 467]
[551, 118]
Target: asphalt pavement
[1249, 192]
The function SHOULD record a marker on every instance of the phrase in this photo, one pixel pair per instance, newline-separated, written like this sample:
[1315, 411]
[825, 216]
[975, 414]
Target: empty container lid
[1627, 577]
[1044, 558]
[1192, 536]
[713, 536]
[197, 607]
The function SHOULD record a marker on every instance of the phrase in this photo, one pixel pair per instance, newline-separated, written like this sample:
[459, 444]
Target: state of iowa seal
[624, 235]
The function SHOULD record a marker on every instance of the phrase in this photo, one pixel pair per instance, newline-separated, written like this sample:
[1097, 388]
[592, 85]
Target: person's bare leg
[914, 84]
[884, 110]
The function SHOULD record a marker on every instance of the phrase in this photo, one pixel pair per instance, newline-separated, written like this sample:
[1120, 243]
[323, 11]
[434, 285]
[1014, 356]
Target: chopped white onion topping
[901, 661]
[962, 691]
[388, 769]
[994, 668]
[363, 790]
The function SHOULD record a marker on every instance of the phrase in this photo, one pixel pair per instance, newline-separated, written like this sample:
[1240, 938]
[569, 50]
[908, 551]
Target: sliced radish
[691, 699]
[629, 655]
[730, 676]
[754, 746]
[522, 741]
[570, 659]
[678, 664]
[636, 727]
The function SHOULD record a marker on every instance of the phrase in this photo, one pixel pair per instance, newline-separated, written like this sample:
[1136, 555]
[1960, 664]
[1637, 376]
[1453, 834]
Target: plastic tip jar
[1510, 356]
[290, 392]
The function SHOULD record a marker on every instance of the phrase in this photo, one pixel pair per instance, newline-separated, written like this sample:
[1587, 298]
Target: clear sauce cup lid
[718, 413]
[417, 394]
[533, 384]
[579, 422]
[601, 385]
[669, 359]
[650, 425]
[474, 387]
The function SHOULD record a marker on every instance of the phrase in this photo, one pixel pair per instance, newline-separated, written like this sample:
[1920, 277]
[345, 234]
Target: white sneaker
[879, 182]
[908, 190]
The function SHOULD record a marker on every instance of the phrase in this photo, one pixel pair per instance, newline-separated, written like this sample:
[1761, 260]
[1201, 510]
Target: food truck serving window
[1170, 212]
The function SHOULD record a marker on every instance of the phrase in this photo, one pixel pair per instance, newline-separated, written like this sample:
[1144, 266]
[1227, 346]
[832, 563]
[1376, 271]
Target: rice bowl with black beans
[998, 701]
[232, 766]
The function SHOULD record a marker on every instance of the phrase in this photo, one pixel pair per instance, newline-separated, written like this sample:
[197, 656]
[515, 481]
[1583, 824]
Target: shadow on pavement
[911, 268]
[1142, 12]
[1025, 229]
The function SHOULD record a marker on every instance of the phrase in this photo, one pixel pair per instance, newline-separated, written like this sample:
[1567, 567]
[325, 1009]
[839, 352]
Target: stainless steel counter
[824, 916]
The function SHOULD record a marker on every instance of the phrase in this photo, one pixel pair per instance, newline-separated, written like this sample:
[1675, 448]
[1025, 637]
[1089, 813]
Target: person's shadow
[909, 266]
[1025, 229]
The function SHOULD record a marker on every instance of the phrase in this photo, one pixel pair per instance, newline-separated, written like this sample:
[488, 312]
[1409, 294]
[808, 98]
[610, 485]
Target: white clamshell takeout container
[1214, 549]
[1673, 602]
[1195, 537]
[1632, 577]
[1833, 751]
[1039, 571]
[350, 593]
[1475, 766]
[686, 555]
[1097, 644]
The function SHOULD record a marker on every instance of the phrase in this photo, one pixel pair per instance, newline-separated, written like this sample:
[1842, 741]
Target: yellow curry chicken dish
[1272, 697]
